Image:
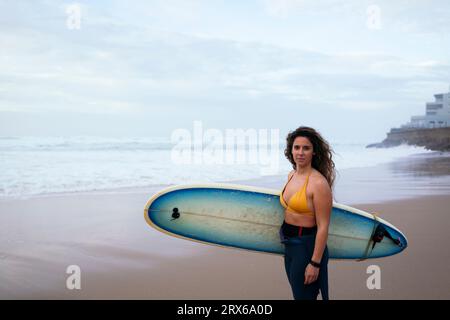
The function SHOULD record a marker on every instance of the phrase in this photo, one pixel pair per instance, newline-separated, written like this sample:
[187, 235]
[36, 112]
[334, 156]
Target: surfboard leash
[378, 234]
[375, 225]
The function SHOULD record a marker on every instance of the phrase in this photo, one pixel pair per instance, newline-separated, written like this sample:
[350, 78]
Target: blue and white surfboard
[250, 218]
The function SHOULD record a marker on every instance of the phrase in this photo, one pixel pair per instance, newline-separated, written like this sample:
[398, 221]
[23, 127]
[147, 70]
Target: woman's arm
[323, 203]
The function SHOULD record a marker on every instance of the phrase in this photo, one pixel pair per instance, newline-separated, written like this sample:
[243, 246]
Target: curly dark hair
[322, 160]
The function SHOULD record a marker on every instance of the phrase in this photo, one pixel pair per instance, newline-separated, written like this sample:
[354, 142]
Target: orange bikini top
[297, 203]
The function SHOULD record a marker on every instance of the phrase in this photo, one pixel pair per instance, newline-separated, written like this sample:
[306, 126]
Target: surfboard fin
[380, 233]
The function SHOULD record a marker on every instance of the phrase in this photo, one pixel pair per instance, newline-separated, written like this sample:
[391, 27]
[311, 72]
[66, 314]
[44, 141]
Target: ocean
[36, 166]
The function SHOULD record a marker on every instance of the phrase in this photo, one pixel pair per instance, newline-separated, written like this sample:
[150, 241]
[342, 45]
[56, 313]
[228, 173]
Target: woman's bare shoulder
[290, 174]
[318, 180]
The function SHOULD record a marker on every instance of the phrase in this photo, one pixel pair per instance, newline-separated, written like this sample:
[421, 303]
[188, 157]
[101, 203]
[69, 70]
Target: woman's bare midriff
[299, 219]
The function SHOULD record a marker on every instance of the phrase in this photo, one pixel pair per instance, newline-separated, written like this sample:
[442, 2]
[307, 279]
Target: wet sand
[120, 257]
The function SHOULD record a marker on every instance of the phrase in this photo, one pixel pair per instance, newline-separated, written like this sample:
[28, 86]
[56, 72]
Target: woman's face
[302, 151]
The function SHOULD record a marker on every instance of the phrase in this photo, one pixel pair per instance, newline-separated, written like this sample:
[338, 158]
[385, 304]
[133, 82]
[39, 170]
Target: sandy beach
[121, 257]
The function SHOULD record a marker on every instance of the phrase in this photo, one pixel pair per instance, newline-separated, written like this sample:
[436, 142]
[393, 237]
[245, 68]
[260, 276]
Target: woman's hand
[311, 274]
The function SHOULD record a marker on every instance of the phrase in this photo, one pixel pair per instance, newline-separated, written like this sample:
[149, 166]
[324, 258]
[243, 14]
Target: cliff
[437, 139]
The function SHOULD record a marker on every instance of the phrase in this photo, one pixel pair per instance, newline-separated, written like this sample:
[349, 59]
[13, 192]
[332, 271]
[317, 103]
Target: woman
[307, 200]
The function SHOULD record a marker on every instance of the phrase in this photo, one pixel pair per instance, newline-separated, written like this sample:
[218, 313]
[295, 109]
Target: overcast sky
[351, 69]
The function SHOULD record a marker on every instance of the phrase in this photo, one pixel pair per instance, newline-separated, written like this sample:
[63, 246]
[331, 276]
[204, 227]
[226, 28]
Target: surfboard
[249, 218]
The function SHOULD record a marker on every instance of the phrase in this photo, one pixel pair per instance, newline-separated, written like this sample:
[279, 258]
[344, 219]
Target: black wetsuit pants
[299, 247]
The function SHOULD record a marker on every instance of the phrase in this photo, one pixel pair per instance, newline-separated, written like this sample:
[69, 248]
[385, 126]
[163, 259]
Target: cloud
[120, 74]
[113, 66]
[282, 8]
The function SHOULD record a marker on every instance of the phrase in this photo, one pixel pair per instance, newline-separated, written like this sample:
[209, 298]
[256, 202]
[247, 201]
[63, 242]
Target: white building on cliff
[437, 114]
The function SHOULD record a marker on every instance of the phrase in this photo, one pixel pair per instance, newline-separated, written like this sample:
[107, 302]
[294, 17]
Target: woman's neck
[303, 170]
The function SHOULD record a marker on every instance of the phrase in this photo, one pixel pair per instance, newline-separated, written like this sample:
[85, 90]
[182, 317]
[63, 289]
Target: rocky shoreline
[435, 139]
